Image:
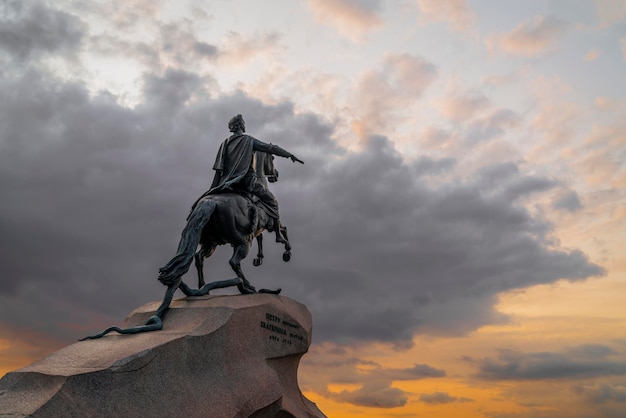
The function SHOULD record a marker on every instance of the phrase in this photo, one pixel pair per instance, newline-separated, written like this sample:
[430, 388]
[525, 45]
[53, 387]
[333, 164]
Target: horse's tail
[205, 194]
[189, 240]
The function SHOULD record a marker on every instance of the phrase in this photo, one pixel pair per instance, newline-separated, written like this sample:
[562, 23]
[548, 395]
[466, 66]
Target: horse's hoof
[286, 256]
[272, 292]
[257, 262]
[249, 289]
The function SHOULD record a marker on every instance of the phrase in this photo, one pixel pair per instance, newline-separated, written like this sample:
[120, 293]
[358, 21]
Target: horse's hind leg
[189, 240]
[258, 260]
[199, 259]
[240, 252]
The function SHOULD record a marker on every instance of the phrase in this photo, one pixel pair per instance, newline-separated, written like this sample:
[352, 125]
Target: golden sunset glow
[458, 226]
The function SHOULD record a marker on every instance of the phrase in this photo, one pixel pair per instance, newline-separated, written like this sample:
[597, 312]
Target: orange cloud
[382, 96]
[592, 55]
[352, 18]
[529, 38]
[453, 12]
[610, 11]
[601, 162]
[460, 104]
[240, 50]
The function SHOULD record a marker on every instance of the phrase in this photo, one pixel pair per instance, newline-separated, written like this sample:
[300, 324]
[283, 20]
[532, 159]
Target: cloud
[373, 397]
[591, 351]
[375, 381]
[110, 186]
[383, 97]
[30, 29]
[170, 92]
[567, 201]
[474, 117]
[592, 55]
[381, 252]
[376, 100]
[600, 160]
[623, 43]
[181, 45]
[438, 398]
[495, 123]
[578, 363]
[121, 18]
[530, 38]
[438, 230]
[426, 165]
[601, 393]
[63, 150]
[610, 12]
[497, 80]
[240, 50]
[455, 13]
[177, 45]
[460, 105]
[352, 18]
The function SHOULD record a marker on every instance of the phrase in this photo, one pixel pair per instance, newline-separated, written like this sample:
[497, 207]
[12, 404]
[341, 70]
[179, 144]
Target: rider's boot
[279, 235]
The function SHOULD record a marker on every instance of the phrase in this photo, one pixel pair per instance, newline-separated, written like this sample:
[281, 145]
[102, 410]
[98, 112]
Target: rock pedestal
[217, 356]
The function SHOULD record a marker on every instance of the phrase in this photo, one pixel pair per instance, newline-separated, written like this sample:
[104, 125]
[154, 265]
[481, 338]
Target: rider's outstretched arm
[276, 150]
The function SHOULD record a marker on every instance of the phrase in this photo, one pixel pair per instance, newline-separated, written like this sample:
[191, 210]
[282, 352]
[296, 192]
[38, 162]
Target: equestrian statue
[236, 210]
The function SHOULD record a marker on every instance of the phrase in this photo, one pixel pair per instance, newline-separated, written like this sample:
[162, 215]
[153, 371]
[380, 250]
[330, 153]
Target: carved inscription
[286, 330]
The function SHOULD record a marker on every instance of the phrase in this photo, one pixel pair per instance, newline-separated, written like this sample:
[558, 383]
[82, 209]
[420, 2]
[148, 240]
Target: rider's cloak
[234, 159]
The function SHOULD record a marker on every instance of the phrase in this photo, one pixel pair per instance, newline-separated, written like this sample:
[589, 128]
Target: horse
[217, 219]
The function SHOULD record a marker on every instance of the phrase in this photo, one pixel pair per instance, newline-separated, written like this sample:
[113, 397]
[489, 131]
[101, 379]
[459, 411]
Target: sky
[458, 225]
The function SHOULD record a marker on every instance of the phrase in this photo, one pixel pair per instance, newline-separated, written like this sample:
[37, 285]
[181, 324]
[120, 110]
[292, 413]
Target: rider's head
[237, 124]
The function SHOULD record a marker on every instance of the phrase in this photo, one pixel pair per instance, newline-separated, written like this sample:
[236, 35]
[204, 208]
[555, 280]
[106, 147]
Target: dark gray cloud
[601, 392]
[31, 28]
[95, 195]
[372, 396]
[591, 351]
[180, 43]
[175, 46]
[427, 165]
[437, 398]
[588, 361]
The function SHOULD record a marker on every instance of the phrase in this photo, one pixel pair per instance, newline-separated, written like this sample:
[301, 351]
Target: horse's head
[265, 166]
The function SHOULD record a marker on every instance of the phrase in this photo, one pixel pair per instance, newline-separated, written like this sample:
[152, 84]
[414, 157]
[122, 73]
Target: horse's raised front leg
[199, 259]
[259, 257]
[287, 253]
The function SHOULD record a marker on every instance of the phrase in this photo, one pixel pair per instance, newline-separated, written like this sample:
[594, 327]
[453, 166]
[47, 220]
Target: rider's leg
[267, 197]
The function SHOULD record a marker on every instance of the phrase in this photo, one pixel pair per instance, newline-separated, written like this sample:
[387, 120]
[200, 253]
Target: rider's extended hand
[294, 159]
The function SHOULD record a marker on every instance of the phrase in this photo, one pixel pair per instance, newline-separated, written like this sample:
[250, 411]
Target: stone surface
[217, 356]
